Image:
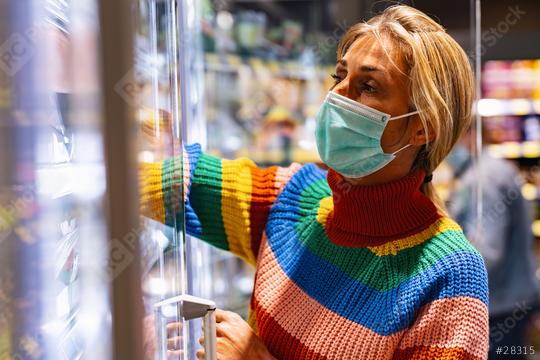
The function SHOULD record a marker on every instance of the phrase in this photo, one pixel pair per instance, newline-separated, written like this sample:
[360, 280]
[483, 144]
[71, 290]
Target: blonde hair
[441, 80]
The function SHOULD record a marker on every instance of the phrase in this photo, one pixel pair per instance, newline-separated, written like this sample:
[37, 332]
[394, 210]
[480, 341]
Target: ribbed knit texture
[373, 215]
[343, 272]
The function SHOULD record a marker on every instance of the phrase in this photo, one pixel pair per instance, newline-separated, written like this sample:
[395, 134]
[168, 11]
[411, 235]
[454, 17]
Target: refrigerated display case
[76, 261]
[53, 248]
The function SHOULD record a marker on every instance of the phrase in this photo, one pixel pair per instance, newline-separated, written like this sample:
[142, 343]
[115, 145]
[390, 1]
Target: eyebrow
[364, 68]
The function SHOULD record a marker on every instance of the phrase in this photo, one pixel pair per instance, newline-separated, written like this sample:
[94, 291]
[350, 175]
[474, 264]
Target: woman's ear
[419, 134]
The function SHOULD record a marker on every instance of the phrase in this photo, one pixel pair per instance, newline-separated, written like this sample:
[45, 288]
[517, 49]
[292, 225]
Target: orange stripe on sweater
[460, 322]
[428, 352]
[267, 184]
[264, 193]
[279, 342]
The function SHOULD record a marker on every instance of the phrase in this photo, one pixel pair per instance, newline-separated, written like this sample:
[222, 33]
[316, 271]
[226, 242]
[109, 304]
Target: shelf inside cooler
[58, 180]
[230, 63]
[502, 107]
[276, 157]
[515, 150]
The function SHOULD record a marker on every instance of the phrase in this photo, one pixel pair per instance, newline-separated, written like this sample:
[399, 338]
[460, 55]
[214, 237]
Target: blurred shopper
[360, 261]
[504, 239]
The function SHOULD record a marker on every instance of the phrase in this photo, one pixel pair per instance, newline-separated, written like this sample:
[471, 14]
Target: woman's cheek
[392, 137]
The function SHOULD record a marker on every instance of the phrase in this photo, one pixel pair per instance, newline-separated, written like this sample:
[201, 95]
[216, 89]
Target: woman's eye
[368, 88]
[337, 78]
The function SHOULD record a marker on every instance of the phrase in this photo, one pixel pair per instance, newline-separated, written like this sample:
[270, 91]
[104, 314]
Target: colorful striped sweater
[342, 272]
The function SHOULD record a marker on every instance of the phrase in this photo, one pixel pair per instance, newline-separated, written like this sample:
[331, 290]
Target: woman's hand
[174, 339]
[236, 340]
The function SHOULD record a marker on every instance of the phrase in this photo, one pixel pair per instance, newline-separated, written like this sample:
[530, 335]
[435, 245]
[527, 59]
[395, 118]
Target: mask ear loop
[404, 115]
[400, 117]
[403, 148]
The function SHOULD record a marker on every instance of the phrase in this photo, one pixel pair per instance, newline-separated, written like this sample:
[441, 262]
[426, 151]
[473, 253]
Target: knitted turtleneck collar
[371, 215]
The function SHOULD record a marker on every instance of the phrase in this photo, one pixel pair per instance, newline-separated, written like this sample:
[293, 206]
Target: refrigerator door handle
[191, 307]
[210, 339]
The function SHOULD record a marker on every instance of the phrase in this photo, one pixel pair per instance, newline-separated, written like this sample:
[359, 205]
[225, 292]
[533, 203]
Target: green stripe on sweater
[206, 200]
[171, 183]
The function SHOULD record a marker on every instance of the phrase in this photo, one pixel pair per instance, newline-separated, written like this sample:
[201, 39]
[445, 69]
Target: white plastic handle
[210, 338]
[191, 307]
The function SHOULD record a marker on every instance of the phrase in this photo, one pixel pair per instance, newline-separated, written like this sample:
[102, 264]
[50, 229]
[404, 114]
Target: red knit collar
[371, 215]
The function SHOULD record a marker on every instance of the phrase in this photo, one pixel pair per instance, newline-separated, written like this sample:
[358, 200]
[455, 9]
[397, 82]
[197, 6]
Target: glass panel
[53, 251]
[156, 96]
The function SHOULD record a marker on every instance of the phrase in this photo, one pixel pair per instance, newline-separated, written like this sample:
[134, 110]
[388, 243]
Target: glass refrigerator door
[161, 84]
[54, 288]
[69, 244]
[162, 251]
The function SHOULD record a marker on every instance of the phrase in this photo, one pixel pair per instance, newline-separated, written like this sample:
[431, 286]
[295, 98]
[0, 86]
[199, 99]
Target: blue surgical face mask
[349, 136]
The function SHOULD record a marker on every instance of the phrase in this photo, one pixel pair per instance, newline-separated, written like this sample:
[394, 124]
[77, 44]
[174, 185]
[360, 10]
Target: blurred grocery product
[511, 79]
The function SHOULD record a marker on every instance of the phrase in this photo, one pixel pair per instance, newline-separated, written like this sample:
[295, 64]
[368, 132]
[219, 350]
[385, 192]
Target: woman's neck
[370, 215]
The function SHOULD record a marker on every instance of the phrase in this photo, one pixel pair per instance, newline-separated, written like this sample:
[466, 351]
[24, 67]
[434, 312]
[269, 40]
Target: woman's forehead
[370, 51]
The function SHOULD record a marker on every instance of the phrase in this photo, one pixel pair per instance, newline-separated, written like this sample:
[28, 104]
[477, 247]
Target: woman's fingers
[201, 340]
[175, 354]
[222, 315]
[222, 329]
[174, 329]
[200, 354]
[174, 343]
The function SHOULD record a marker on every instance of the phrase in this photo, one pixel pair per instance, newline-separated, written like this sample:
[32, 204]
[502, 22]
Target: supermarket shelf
[503, 107]
[276, 157]
[536, 228]
[75, 176]
[515, 150]
[230, 63]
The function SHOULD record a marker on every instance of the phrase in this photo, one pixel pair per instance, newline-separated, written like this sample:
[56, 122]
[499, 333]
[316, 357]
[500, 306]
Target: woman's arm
[453, 322]
[227, 202]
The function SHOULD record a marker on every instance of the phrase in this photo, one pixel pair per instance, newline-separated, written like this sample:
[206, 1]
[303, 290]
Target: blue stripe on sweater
[193, 224]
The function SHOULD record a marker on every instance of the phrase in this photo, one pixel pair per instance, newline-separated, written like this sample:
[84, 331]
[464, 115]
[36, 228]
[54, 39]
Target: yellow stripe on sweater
[392, 248]
[152, 191]
[235, 206]
[326, 206]
[443, 224]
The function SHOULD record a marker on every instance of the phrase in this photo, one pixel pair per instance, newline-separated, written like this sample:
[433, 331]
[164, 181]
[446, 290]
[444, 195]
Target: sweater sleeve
[450, 320]
[448, 329]
[227, 202]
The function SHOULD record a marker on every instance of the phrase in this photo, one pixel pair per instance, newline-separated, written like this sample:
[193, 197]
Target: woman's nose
[342, 88]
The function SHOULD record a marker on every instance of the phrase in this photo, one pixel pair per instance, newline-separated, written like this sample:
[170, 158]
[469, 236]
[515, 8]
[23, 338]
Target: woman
[360, 262]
